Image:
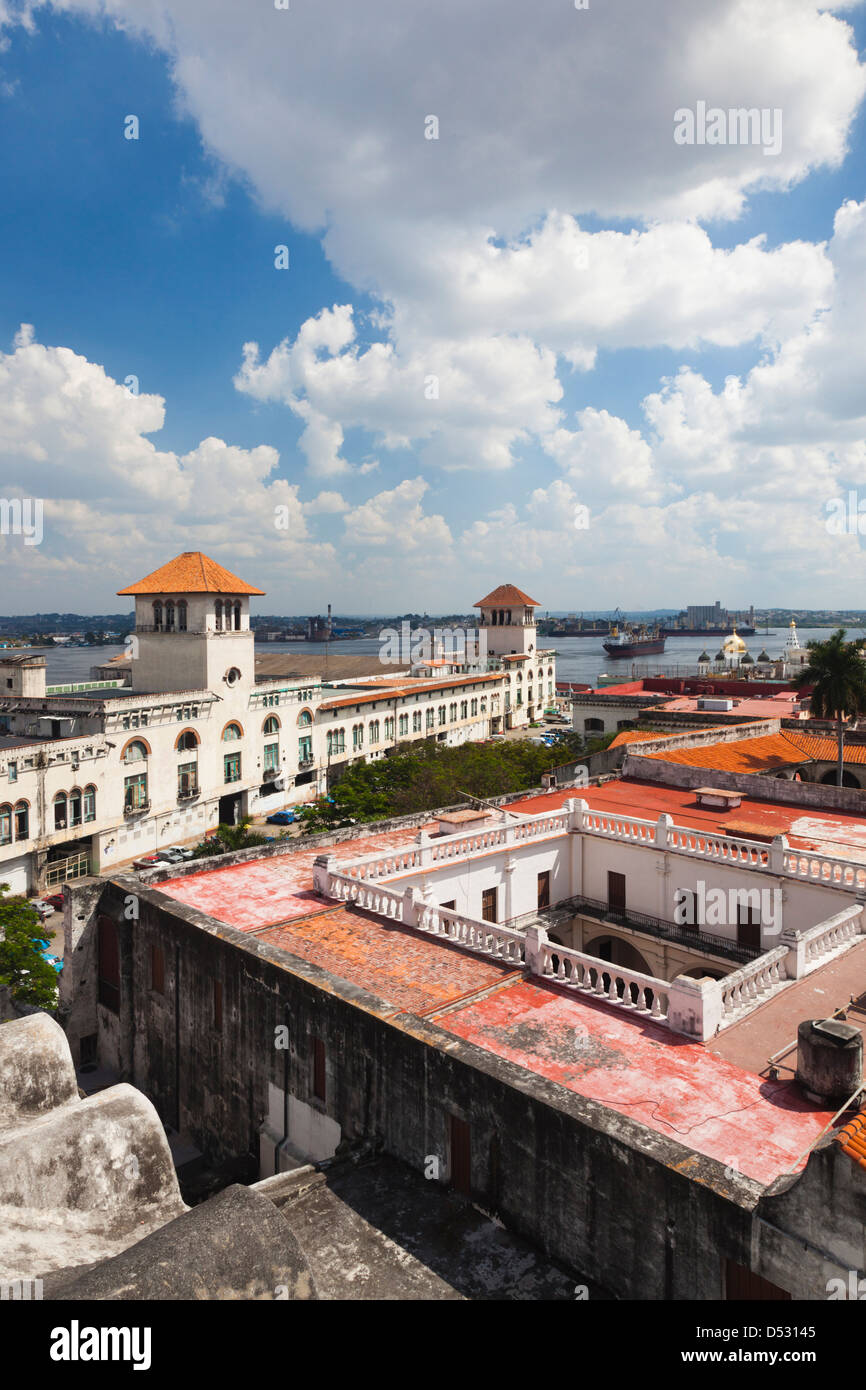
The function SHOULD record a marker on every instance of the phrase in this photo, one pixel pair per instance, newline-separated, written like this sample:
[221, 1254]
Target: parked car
[170, 856]
[280, 818]
[43, 907]
[55, 899]
[147, 861]
[182, 851]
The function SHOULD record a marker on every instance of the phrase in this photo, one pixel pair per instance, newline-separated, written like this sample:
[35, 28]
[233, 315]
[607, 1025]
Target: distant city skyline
[479, 303]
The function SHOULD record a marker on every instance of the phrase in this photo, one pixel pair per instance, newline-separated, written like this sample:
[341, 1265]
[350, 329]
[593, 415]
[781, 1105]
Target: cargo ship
[628, 642]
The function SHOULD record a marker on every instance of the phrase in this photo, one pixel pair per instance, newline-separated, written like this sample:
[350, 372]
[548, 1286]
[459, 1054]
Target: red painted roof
[191, 573]
[506, 594]
[400, 966]
[637, 1068]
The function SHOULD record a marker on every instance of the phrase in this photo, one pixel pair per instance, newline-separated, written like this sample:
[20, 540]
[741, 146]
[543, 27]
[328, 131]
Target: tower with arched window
[192, 627]
[508, 622]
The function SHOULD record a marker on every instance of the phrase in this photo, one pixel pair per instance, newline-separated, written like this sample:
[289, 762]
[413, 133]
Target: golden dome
[733, 644]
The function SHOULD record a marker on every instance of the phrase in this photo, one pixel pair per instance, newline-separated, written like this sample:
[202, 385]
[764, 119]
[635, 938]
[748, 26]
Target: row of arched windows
[169, 617]
[227, 616]
[75, 807]
[14, 819]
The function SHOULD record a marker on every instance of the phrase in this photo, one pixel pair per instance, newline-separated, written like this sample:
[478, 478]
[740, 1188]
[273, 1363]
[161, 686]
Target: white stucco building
[93, 779]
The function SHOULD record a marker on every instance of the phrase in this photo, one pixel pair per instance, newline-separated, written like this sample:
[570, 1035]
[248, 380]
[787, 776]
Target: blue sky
[155, 257]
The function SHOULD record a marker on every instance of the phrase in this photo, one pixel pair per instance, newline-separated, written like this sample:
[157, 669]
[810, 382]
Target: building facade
[95, 779]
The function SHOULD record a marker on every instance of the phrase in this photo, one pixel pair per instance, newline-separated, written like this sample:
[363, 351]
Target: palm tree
[837, 673]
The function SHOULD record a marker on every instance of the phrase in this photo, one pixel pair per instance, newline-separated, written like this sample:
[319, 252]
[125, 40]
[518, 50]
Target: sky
[384, 305]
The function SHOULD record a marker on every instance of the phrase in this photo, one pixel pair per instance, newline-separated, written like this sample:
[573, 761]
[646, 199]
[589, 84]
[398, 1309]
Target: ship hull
[634, 649]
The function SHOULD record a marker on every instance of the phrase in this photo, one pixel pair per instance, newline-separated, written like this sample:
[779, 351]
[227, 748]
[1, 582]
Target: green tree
[30, 977]
[837, 673]
[229, 838]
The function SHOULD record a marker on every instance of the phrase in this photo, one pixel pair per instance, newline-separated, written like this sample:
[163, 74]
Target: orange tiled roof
[823, 748]
[785, 749]
[191, 573]
[506, 593]
[852, 1137]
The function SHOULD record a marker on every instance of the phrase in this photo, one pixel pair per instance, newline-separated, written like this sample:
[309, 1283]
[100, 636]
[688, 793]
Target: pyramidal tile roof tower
[192, 628]
[191, 573]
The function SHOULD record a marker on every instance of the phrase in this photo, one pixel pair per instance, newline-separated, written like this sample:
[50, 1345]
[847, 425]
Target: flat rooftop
[715, 1098]
[269, 891]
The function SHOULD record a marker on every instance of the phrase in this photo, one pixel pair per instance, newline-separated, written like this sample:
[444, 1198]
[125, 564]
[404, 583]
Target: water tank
[829, 1058]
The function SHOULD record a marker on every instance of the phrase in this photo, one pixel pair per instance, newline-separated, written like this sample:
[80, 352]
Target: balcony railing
[695, 939]
[187, 793]
[135, 808]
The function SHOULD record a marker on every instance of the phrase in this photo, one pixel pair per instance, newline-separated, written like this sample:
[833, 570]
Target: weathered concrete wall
[822, 1217]
[809, 794]
[591, 1188]
[78, 978]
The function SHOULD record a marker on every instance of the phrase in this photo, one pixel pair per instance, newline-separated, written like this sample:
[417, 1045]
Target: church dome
[704, 656]
[763, 656]
[733, 644]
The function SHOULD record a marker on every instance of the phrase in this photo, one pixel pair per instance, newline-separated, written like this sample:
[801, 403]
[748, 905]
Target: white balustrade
[629, 989]
[502, 943]
[820, 868]
[748, 984]
[819, 940]
[387, 902]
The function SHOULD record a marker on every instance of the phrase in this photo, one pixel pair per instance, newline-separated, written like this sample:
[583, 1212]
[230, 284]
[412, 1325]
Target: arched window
[181, 615]
[5, 825]
[169, 616]
[218, 615]
[157, 616]
[22, 820]
[60, 812]
[232, 731]
[75, 806]
[186, 741]
[135, 751]
[90, 802]
[305, 718]
[272, 725]
[237, 616]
